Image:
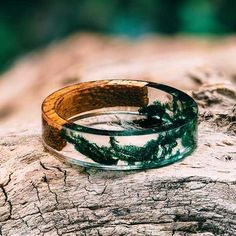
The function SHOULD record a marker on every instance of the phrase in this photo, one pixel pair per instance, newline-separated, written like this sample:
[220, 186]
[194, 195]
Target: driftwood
[39, 195]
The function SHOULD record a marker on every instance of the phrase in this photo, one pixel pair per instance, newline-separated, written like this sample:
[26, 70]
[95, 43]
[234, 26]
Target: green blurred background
[26, 25]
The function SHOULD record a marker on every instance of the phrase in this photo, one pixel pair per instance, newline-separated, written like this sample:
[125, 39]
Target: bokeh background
[26, 25]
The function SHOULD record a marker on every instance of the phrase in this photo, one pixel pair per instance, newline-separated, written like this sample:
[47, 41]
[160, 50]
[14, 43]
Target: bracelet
[120, 124]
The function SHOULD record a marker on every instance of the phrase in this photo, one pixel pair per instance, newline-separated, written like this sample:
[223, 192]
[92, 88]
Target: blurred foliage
[29, 24]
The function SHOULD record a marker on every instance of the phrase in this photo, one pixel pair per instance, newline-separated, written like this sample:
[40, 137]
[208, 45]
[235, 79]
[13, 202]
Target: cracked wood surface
[39, 195]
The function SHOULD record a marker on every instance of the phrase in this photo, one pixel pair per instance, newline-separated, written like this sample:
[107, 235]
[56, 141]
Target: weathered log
[39, 195]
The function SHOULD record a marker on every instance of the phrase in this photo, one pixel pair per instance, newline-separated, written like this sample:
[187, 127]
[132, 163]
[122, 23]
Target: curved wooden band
[63, 104]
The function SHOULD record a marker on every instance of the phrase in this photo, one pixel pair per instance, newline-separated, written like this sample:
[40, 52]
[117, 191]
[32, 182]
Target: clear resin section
[127, 137]
[117, 119]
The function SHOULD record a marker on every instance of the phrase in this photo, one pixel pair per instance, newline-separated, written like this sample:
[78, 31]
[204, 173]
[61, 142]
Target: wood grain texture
[39, 195]
[67, 102]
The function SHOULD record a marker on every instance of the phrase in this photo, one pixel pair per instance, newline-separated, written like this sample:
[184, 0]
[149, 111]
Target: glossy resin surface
[156, 128]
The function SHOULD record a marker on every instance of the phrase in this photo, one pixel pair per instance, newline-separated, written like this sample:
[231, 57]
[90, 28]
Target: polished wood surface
[58, 107]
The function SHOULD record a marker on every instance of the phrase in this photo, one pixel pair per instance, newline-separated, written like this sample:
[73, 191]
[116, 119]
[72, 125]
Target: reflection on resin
[157, 116]
[120, 124]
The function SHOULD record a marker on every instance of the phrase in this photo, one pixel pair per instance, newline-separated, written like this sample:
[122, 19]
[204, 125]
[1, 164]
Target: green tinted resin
[174, 122]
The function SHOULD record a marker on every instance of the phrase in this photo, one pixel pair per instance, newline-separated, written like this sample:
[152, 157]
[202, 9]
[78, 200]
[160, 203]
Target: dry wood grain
[39, 195]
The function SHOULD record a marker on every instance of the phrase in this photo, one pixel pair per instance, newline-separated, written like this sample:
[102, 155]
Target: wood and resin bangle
[120, 124]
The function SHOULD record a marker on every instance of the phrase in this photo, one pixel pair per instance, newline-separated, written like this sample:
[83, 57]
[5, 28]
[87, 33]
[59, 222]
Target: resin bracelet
[120, 124]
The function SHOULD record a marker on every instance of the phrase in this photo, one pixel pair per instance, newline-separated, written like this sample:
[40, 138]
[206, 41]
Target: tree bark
[39, 195]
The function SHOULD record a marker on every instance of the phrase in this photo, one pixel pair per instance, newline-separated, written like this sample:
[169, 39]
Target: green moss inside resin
[175, 124]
